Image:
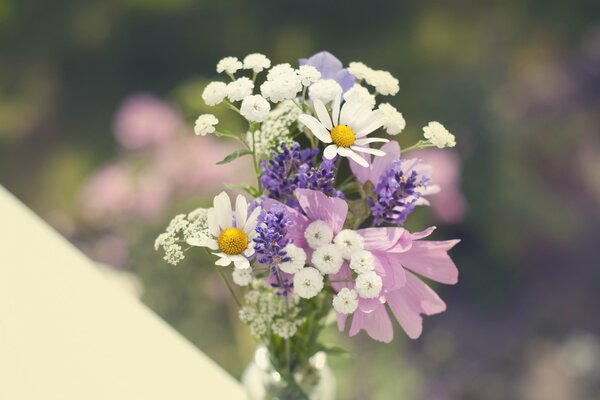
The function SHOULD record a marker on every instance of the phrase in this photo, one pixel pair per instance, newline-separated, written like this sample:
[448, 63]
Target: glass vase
[263, 382]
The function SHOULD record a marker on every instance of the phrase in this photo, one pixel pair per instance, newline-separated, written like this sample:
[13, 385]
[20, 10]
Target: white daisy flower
[205, 124]
[346, 301]
[349, 242]
[438, 135]
[229, 65]
[297, 259]
[393, 122]
[324, 90]
[362, 261]
[308, 282]
[214, 93]
[231, 232]
[346, 130]
[328, 259]
[368, 285]
[309, 74]
[358, 92]
[242, 276]
[255, 108]
[239, 88]
[318, 234]
[256, 62]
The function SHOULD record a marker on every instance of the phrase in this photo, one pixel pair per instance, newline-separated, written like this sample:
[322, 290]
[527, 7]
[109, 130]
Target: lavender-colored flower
[397, 192]
[292, 168]
[330, 68]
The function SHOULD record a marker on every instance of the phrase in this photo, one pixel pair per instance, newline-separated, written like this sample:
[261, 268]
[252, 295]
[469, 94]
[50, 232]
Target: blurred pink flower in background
[143, 120]
[449, 205]
[109, 191]
[112, 250]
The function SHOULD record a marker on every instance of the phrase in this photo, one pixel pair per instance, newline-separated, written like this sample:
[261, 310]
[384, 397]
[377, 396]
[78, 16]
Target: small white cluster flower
[438, 135]
[362, 261]
[318, 234]
[297, 259]
[256, 62]
[275, 130]
[383, 82]
[255, 108]
[283, 83]
[308, 74]
[346, 301]
[239, 88]
[349, 242]
[325, 90]
[308, 282]
[242, 276]
[394, 122]
[368, 284]
[361, 93]
[181, 228]
[328, 259]
[205, 124]
[229, 65]
[265, 310]
[214, 93]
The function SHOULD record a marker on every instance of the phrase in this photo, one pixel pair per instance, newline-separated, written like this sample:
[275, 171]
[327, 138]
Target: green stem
[421, 144]
[222, 275]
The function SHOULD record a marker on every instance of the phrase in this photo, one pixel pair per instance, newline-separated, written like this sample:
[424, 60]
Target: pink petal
[430, 259]
[318, 206]
[381, 238]
[377, 324]
[381, 164]
[394, 276]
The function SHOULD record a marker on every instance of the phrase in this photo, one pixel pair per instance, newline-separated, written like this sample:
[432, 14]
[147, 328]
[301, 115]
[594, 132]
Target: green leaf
[334, 351]
[234, 155]
[251, 190]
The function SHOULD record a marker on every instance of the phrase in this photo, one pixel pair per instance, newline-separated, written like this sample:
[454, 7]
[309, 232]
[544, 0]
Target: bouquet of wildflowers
[320, 234]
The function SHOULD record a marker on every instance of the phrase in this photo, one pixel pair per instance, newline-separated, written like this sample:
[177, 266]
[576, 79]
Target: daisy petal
[375, 121]
[241, 262]
[368, 150]
[251, 222]
[213, 224]
[345, 152]
[349, 109]
[224, 261]
[241, 211]
[335, 110]
[315, 127]
[222, 207]
[322, 113]
[203, 241]
[362, 142]
[330, 151]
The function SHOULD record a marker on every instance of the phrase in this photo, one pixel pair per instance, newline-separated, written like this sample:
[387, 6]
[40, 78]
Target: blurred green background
[517, 82]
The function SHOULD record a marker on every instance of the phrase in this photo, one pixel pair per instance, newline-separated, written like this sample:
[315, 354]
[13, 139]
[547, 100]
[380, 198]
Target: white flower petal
[222, 207]
[241, 211]
[322, 114]
[362, 142]
[315, 127]
[368, 150]
[241, 262]
[335, 110]
[344, 152]
[203, 241]
[251, 222]
[330, 151]
[375, 121]
[212, 222]
[349, 109]
[224, 260]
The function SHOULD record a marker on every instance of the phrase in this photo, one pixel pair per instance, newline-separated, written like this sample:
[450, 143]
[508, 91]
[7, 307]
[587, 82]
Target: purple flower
[330, 68]
[292, 168]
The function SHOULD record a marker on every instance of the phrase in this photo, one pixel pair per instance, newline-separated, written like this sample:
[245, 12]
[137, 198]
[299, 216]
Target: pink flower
[399, 256]
[143, 120]
[110, 191]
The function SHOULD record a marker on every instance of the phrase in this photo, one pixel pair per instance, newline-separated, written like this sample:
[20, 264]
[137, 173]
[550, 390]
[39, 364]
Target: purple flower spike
[330, 68]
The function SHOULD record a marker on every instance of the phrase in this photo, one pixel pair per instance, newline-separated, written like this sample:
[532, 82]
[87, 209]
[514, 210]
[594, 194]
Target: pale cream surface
[69, 333]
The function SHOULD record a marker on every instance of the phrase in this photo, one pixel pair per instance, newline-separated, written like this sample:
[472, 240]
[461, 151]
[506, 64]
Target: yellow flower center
[233, 241]
[343, 136]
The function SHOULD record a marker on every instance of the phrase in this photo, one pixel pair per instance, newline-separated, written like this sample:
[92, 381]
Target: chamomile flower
[214, 93]
[256, 62]
[239, 88]
[346, 130]
[229, 65]
[309, 74]
[368, 284]
[324, 90]
[308, 282]
[393, 122]
[297, 259]
[438, 135]
[358, 92]
[231, 232]
[346, 301]
[205, 124]
[242, 276]
[328, 259]
[362, 261]
[255, 108]
[318, 234]
[349, 242]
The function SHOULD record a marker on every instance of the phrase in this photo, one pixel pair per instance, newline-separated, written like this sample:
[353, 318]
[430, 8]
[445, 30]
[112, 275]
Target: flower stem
[225, 280]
